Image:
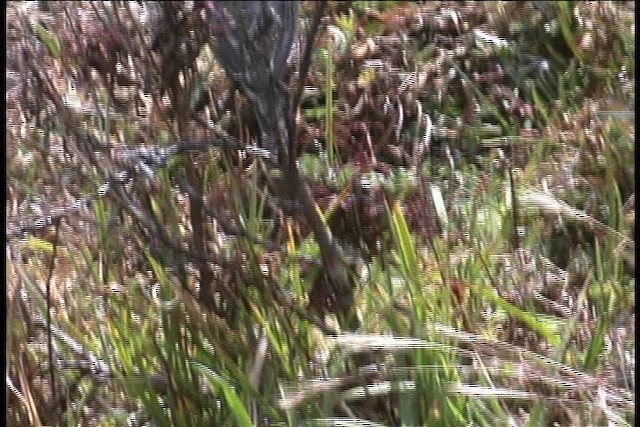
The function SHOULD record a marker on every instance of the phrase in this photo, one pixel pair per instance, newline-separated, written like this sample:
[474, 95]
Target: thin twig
[52, 266]
[305, 63]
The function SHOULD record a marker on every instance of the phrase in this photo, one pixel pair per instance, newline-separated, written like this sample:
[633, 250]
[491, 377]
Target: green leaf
[596, 346]
[537, 323]
[52, 43]
[39, 245]
[228, 394]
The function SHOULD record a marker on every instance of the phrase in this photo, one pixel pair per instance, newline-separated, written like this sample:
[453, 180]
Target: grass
[493, 268]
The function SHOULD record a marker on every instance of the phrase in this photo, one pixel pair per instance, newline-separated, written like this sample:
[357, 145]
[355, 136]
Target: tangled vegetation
[449, 240]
